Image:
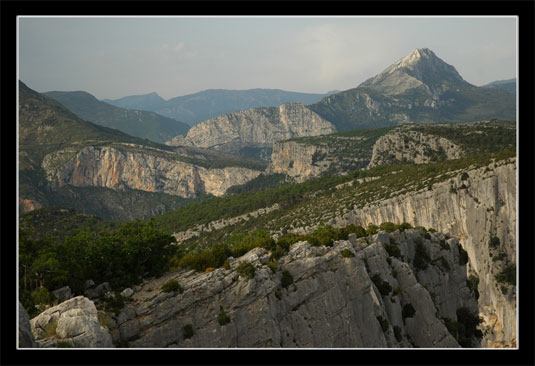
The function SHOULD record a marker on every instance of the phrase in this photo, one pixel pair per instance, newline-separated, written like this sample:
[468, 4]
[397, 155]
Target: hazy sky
[113, 57]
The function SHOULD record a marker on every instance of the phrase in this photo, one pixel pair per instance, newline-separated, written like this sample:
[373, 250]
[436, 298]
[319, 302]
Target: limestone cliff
[475, 209]
[353, 294]
[257, 128]
[402, 145]
[153, 171]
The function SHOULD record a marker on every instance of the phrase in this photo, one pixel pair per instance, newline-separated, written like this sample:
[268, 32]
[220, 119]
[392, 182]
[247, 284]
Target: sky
[113, 57]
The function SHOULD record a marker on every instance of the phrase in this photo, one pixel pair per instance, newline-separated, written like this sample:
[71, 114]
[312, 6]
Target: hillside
[66, 161]
[252, 132]
[419, 88]
[198, 107]
[142, 124]
[508, 85]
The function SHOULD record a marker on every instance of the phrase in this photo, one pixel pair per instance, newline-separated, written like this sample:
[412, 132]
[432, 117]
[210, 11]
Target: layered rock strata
[256, 127]
[332, 299]
[483, 209]
[118, 169]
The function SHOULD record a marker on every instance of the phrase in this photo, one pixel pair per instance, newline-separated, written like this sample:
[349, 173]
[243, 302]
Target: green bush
[507, 275]
[246, 269]
[444, 245]
[187, 331]
[421, 257]
[223, 318]
[114, 304]
[397, 333]
[346, 253]
[324, 235]
[286, 279]
[383, 286]
[273, 265]
[392, 249]
[407, 311]
[464, 176]
[388, 227]
[404, 226]
[372, 229]
[494, 242]
[466, 328]
[472, 282]
[383, 322]
[352, 229]
[172, 286]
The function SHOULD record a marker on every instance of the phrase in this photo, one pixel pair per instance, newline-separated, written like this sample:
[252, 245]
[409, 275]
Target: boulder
[74, 321]
[89, 284]
[26, 338]
[127, 292]
[63, 293]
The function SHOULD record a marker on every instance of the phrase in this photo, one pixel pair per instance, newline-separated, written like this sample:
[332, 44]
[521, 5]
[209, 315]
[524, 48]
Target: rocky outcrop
[257, 127]
[474, 209]
[352, 294]
[402, 145]
[74, 322]
[26, 338]
[137, 169]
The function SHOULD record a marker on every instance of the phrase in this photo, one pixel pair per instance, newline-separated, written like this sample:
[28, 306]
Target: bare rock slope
[349, 295]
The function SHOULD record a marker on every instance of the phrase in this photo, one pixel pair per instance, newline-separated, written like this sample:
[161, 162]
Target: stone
[76, 323]
[127, 292]
[89, 284]
[63, 293]
[26, 338]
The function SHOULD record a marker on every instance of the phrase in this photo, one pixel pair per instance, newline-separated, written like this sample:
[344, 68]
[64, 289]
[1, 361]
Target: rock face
[118, 169]
[419, 148]
[486, 208]
[74, 322]
[26, 338]
[332, 300]
[257, 128]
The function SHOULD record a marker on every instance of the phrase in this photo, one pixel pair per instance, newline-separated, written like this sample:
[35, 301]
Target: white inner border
[274, 16]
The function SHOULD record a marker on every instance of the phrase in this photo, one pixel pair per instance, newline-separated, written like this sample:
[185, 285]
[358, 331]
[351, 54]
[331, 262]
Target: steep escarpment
[309, 157]
[480, 209]
[350, 294]
[257, 128]
[406, 145]
[136, 169]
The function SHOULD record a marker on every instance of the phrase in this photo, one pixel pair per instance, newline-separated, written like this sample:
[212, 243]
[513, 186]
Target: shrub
[388, 227]
[172, 286]
[472, 282]
[353, 229]
[404, 226]
[469, 322]
[273, 265]
[421, 257]
[64, 344]
[383, 322]
[383, 286]
[464, 176]
[114, 304]
[223, 318]
[246, 269]
[427, 236]
[397, 333]
[346, 253]
[392, 249]
[187, 331]
[286, 279]
[324, 235]
[226, 265]
[494, 242]
[372, 229]
[50, 329]
[407, 311]
[507, 275]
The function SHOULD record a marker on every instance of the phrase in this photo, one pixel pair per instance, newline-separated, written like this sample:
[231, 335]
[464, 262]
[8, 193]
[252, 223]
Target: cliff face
[486, 208]
[360, 299]
[297, 160]
[416, 147]
[113, 168]
[257, 127]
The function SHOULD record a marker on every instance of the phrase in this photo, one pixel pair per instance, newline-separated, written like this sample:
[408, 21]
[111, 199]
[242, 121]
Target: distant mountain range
[138, 123]
[508, 85]
[420, 87]
[198, 107]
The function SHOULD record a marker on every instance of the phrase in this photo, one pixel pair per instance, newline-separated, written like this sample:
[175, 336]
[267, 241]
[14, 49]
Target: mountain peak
[421, 67]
